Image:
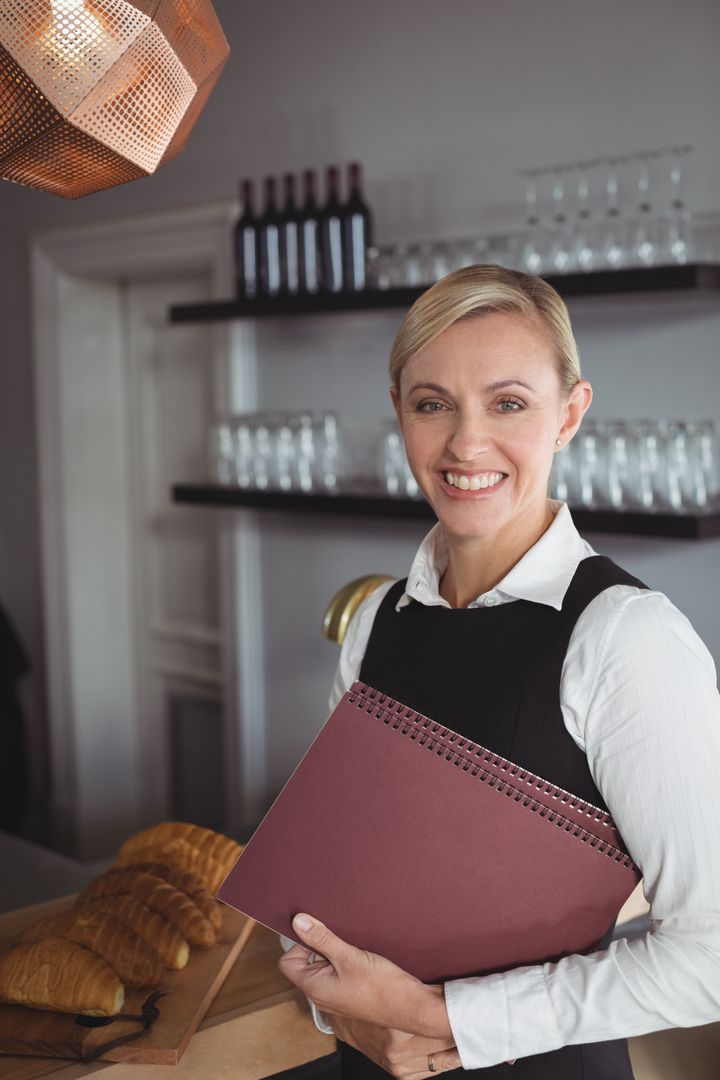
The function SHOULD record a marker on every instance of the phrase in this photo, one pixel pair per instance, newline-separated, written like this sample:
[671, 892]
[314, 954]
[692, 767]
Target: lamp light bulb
[74, 33]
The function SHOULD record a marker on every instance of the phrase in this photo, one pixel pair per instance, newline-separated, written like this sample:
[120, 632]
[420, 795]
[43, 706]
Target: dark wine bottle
[247, 242]
[357, 231]
[309, 236]
[331, 233]
[270, 242]
[289, 229]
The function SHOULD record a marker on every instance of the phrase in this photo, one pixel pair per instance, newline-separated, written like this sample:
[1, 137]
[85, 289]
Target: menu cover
[409, 840]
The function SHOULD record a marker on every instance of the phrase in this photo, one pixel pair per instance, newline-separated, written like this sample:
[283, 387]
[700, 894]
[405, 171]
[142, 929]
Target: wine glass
[563, 476]
[220, 452]
[328, 454]
[531, 258]
[644, 246]
[620, 477]
[592, 464]
[701, 486]
[243, 451]
[677, 240]
[584, 251]
[614, 254]
[560, 249]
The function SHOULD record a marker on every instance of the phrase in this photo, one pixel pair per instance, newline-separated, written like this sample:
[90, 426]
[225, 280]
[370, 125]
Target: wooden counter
[257, 1025]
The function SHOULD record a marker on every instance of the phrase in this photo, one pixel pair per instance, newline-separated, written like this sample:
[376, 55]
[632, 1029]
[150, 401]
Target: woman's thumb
[317, 937]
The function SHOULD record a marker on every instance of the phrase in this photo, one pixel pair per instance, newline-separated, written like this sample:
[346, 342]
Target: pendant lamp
[94, 93]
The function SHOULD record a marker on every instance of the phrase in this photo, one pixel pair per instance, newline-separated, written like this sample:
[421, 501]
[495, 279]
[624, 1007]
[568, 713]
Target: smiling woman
[482, 409]
[511, 631]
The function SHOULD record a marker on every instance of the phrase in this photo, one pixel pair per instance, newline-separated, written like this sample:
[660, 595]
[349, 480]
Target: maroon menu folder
[409, 840]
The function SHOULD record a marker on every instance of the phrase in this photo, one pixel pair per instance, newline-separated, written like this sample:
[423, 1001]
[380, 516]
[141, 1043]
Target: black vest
[493, 675]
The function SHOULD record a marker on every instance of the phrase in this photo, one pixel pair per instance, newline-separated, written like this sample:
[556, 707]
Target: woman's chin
[470, 517]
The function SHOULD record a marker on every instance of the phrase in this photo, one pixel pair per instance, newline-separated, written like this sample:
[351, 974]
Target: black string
[149, 1013]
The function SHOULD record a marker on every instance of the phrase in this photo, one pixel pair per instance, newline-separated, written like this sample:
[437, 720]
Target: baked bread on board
[59, 975]
[162, 898]
[158, 932]
[135, 962]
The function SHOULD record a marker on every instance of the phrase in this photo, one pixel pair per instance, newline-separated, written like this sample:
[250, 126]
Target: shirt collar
[542, 575]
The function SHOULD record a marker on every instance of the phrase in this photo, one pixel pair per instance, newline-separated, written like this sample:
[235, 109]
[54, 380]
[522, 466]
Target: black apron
[493, 675]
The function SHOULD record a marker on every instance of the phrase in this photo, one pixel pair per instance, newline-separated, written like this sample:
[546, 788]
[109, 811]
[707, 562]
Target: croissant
[133, 960]
[156, 894]
[181, 854]
[171, 852]
[186, 882]
[221, 848]
[59, 975]
[171, 946]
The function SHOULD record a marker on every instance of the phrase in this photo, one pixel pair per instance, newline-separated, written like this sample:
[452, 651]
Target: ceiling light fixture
[94, 93]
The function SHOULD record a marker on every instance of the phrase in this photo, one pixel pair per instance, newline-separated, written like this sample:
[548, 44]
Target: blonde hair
[475, 289]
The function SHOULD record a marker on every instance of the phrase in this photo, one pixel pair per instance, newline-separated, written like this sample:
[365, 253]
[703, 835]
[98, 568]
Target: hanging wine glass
[677, 245]
[613, 249]
[584, 253]
[560, 251]
[644, 247]
[531, 257]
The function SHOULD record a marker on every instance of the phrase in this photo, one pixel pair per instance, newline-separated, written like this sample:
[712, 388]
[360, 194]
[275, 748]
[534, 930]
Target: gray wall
[442, 103]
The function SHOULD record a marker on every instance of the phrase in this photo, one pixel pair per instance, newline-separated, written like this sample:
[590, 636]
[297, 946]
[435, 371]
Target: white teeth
[473, 483]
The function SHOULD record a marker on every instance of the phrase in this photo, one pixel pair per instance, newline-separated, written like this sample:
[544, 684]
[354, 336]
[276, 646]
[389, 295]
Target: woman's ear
[574, 408]
[395, 398]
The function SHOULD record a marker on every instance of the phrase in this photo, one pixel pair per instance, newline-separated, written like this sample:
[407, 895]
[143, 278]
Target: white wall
[442, 103]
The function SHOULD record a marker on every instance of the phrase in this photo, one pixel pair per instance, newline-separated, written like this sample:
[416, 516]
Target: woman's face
[480, 409]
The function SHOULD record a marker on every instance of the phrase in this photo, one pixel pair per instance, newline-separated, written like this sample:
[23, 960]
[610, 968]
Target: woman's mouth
[473, 481]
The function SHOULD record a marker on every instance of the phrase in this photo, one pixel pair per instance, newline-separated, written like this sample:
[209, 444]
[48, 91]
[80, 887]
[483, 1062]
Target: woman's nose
[468, 438]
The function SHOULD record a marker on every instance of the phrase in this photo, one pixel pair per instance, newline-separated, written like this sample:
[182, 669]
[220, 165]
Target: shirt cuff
[497, 1018]
[321, 1021]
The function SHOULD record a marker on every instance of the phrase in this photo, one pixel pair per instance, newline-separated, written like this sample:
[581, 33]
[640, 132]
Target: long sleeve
[356, 638]
[638, 694]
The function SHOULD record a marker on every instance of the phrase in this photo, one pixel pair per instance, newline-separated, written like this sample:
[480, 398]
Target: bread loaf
[212, 845]
[171, 946]
[133, 959]
[158, 895]
[59, 975]
[186, 882]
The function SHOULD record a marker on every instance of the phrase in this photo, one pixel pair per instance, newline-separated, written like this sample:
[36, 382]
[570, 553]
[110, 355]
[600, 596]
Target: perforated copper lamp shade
[94, 93]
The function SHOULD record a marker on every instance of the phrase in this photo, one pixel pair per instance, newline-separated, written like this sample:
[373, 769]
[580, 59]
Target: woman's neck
[477, 564]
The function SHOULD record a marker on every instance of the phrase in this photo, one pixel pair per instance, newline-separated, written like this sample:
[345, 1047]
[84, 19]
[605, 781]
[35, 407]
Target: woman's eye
[510, 405]
[429, 406]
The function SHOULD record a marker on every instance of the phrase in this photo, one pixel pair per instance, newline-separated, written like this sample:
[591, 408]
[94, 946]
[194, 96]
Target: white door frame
[97, 797]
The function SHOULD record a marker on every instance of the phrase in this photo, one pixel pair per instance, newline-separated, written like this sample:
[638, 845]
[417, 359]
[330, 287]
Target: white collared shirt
[638, 696]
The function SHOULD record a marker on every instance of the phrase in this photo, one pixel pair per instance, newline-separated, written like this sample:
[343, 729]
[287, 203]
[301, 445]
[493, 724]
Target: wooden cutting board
[189, 993]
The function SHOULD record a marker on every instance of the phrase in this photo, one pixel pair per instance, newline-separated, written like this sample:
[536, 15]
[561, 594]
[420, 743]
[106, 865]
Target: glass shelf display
[693, 526]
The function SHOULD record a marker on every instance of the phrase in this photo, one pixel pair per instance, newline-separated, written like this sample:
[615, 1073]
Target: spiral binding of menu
[599, 832]
[430, 849]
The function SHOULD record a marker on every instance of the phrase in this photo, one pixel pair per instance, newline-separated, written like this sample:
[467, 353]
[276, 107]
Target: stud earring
[558, 442]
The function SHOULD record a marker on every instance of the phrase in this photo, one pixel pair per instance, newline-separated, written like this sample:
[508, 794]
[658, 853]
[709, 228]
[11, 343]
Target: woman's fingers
[347, 981]
[404, 1056]
[443, 1061]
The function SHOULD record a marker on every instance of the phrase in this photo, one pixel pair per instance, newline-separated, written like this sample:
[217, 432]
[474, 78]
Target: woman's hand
[404, 1056]
[359, 985]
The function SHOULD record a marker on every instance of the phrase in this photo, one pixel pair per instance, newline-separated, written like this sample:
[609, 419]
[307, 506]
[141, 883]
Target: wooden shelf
[688, 526]
[600, 282]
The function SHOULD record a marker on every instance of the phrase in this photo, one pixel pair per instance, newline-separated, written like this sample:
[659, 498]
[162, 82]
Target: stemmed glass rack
[598, 222]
